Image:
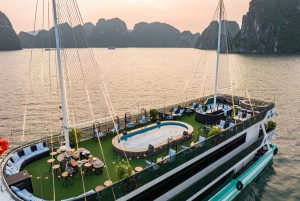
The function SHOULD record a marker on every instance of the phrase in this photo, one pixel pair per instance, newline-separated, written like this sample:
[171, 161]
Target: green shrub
[123, 170]
[153, 114]
[72, 136]
[213, 131]
[271, 125]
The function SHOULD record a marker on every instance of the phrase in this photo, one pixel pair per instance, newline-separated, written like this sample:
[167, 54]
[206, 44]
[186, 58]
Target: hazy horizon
[190, 15]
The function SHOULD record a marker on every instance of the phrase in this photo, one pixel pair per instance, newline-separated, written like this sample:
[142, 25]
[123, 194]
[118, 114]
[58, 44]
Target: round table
[51, 142]
[50, 160]
[53, 153]
[108, 183]
[138, 169]
[99, 188]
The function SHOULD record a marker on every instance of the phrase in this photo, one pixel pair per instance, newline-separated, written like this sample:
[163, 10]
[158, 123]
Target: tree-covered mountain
[114, 32]
[270, 26]
[8, 37]
[209, 37]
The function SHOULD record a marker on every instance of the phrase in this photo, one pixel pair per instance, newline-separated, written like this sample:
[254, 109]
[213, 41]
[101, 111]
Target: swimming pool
[138, 140]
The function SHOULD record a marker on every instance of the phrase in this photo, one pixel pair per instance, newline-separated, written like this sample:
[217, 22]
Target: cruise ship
[208, 148]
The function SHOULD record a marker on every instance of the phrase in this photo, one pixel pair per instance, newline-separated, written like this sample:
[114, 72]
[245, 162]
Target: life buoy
[275, 151]
[129, 186]
[239, 185]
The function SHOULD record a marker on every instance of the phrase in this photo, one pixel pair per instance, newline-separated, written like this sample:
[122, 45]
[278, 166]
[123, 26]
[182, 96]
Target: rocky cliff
[114, 32]
[8, 37]
[270, 26]
[209, 37]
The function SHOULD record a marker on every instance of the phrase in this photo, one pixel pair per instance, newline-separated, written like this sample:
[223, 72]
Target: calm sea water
[151, 78]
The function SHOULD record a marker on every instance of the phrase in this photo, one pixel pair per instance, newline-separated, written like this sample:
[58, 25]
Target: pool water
[155, 136]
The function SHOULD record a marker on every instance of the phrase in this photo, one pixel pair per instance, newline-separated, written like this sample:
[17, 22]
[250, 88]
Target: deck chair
[221, 124]
[201, 142]
[175, 110]
[193, 106]
[99, 134]
[115, 129]
[239, 114]
[151, 167]
[143, 120]
[231, 125]
[248, 116]
[180, 114]
[172, 155]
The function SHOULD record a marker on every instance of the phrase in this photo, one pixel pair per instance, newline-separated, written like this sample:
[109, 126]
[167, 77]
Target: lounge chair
[221, 124]
[231, 125]
[129, 125]
[143, 120]
[248, 116]
[99, 134]
[115, 129]
[193, 106]
[201, 142]
[151, 167]
[172, 155]
[180, 114]
[239, 114]
[186, 150]
[170, 117]
[175, 110]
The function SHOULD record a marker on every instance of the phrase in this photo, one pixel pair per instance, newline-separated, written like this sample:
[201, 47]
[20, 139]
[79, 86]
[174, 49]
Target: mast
[218, 53]
[61, 82]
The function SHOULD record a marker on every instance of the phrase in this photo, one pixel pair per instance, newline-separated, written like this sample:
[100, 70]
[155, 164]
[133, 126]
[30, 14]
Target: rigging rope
[29, 77]
[50, 100]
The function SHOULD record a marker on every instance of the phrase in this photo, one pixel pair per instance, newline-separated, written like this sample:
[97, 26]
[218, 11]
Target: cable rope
[103, 86]
[50, 100]
[74, 120]
[211, 46]
[226, 46]
[29, 77]
[243, 76]
[42, 73]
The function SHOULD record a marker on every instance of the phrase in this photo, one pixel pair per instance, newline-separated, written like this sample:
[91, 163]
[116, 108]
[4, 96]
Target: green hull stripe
[231, 190]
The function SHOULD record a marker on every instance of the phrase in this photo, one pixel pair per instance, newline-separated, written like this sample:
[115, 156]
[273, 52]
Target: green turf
[43, 187]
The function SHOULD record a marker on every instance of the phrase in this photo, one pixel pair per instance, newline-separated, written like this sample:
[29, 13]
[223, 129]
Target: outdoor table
[99, 188]
[108, 183]
[138, 169]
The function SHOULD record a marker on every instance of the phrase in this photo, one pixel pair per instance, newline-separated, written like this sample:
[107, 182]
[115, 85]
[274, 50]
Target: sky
[192, 15]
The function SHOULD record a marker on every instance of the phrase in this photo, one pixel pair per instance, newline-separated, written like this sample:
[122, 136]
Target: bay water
[156, 77]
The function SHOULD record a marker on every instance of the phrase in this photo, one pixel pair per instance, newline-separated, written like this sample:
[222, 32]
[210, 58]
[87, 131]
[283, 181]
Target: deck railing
[145, 176]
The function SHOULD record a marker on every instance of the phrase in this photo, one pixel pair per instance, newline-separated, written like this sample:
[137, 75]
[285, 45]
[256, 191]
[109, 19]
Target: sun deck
[42, 180]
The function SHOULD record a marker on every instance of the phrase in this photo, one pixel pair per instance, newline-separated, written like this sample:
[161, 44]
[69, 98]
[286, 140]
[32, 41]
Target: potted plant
[123, 170]
[153, 114]
[271, 125]
[75, 132]
[213, 131]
